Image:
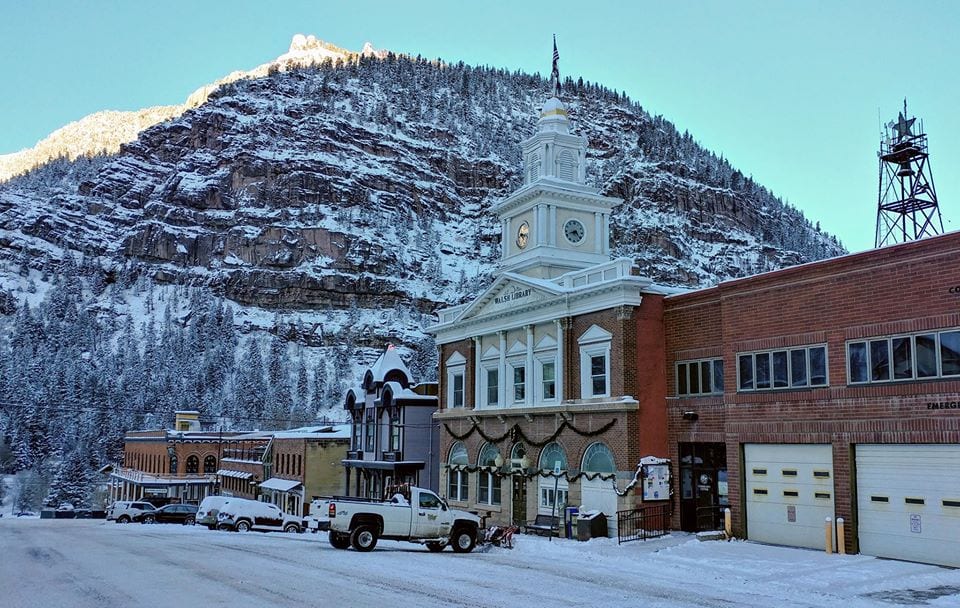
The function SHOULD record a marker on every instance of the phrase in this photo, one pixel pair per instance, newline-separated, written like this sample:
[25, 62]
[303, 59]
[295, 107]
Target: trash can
[591, 524]
[570, 521]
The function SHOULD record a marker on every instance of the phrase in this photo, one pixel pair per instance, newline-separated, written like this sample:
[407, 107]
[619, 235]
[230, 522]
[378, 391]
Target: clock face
[523, 234]
[574, 231]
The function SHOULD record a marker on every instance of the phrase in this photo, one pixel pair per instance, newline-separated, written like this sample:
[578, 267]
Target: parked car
[209, 508]
[242, 515]
[123, 511]
[169, 514]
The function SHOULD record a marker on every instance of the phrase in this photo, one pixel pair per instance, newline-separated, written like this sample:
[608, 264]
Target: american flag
[555, 74]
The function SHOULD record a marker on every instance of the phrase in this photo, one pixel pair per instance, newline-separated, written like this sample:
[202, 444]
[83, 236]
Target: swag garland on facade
[516, 432]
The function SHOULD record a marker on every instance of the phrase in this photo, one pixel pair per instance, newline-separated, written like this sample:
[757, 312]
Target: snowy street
[90, 563]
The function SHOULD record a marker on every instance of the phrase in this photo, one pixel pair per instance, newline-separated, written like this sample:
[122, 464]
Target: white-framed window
[782, 369]
[704, 377]
[566, 166]
[595, 362]
[488, 483]
[933, 354]
[518, 381]
[458, 480]
[552, 490]
[548, 379]
[456, 379]
[491, 386]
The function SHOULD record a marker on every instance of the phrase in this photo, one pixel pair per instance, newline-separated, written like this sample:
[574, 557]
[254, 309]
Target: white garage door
[789, 493]
[908, 502]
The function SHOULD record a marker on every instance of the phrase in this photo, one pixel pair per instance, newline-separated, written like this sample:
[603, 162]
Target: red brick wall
[901, 289]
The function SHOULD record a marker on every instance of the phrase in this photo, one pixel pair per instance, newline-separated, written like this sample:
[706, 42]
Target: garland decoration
[516, 432]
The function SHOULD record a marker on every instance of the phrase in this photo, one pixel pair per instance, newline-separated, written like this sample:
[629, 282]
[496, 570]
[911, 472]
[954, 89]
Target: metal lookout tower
[907, 206]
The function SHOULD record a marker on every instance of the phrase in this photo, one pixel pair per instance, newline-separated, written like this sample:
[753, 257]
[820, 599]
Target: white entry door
[598, 495]
[908, 502]
[789, 490]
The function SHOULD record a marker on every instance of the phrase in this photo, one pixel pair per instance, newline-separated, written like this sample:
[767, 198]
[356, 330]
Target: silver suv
[123, 511]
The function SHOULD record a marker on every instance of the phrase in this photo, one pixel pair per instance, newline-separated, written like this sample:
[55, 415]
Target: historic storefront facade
[552, 381]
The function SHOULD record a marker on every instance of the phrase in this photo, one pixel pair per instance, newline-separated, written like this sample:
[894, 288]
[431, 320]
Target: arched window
[488, 484]
[193, 465]
[458, 478]
[598, 459]
[173, 464]
[210, 464]
[517, 454]
[553, 491]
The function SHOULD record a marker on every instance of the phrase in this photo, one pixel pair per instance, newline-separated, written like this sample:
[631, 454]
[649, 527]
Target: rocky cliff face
[368, 183]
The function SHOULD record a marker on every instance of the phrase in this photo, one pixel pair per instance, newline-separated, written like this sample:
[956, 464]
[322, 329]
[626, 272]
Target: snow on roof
[389, 360]
[280, 485]
[335, 431]
[405, 393]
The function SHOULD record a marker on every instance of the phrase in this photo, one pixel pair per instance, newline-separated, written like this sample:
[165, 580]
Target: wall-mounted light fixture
[691, 416]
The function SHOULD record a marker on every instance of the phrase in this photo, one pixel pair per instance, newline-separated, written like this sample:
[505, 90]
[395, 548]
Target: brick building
[172, 465]
[552, 382]
[303, 463]
[824, 390]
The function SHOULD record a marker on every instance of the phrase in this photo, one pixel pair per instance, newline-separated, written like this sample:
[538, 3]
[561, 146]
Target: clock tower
[554, 223]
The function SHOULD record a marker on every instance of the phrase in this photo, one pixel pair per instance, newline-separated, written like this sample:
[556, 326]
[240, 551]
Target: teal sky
[788, 91]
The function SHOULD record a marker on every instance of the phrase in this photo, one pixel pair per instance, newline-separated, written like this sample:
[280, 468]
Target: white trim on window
[595, 342]
[512, 385]
[456, 366]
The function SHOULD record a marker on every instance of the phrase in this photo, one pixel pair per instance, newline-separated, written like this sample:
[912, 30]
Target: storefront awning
[234, 474]
[280, 485]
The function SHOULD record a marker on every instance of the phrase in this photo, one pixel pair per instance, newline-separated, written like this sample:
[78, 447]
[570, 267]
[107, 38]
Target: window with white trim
[488, 484]
[923, 356]
[456, 378]
[786, 369]
[458, 478]
[548, 380]
[552, 489]
[371, 429]
[703, 377]
[519, 386]
[491, 379]
[595, 362]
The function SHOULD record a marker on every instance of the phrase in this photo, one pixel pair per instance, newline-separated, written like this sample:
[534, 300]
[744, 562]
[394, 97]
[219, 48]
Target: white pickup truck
[423, 517]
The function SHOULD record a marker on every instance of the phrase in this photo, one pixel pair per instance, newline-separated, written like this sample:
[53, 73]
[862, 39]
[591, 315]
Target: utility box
[570, 523]
[591, 524]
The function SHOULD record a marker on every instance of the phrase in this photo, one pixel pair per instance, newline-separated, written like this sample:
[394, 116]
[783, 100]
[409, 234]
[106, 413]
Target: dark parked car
[169, 514]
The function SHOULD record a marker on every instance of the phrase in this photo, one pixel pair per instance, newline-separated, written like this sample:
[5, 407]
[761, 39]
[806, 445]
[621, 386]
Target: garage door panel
[789, 492]
[891, 481]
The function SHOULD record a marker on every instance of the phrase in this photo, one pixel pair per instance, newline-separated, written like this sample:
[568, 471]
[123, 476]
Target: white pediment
[456, 359]
[511, 291]
[518, 348]
[546, 342]
[491, 353]
[594, 334]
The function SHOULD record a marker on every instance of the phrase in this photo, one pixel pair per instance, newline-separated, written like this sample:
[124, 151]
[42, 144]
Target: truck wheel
[463, 540]
[338, 540]
[123, 519]
[364, 538]
[242, 526]
[291, 528]
[436, 547]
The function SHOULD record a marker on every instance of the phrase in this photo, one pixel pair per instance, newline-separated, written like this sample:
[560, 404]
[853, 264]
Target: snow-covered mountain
[246, 253]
